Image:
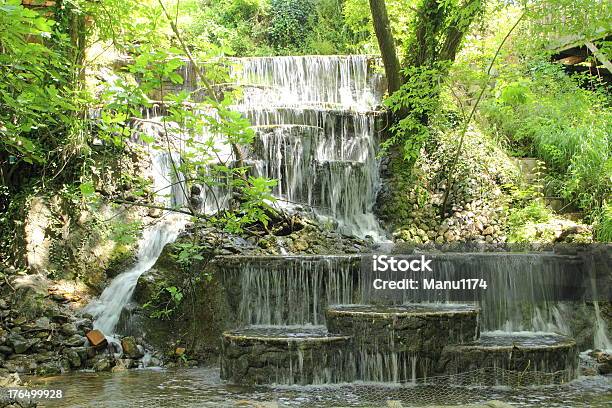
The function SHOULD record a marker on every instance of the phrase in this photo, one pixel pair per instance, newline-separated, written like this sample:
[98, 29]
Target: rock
[42, 323]
[21, 363]
[300, 244]
[83, 352]
[84, 325]
[19, 321]
[120, 366]
[604, 361]
[73, 358]
[490, 230]
[60, 318]
[10, 381]
[130, 348]
[49, 368]
[75, 341]
[102, 364]
[45, 357]
[155, 212]
[19, 343]
[96, 338]
[68, 329]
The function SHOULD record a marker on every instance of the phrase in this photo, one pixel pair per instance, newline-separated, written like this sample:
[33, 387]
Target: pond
[202, 387]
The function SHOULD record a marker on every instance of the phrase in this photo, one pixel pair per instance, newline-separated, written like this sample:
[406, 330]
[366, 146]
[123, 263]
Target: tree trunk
[386, 43]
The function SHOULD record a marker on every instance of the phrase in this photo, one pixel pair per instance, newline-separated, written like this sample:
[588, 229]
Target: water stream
[108, 307]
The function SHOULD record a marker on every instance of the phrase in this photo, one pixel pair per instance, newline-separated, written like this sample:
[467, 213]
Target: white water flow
[601, 341]
[315, 118]
[107, 309]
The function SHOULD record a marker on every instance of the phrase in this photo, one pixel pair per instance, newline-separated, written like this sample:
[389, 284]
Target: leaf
[87, 189]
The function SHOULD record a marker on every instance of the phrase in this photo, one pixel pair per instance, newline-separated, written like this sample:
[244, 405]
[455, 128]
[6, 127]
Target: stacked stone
[56, 341]
[517, 359]
[396, 344]
[286, 355]
[402, 343]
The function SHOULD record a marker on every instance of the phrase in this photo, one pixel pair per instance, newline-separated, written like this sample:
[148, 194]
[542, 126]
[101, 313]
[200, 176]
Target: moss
[198, 321]
[119, 259]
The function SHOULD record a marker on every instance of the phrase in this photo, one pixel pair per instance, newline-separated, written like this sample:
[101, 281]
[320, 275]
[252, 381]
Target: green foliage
[548, 115]
[330, 33]
[186, 253]
[527, 208]
[164, 304]
[124, 233]
[419, 97]
[266, 27]
[290, 23]
[236, 26]
[555, 19]
[603, 224]
[37, 103]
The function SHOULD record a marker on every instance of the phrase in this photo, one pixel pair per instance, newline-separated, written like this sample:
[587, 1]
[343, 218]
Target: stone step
[418, 327]
[516, 359]
[286, 355]
[402, 343]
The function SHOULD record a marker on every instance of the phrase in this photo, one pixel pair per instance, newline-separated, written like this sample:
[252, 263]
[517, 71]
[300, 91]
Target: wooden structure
[579, 54]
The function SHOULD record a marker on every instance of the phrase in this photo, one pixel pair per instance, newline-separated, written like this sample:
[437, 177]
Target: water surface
[201, 387]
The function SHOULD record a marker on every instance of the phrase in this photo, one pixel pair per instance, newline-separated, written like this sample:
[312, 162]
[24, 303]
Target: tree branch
[451, 169]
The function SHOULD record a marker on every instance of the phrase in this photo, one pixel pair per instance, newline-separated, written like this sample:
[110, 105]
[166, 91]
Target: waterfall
[289, 290]
[523, 289]
[345, 81]
[316, 124]
[601, 340]
[108, 307]
[316, 134]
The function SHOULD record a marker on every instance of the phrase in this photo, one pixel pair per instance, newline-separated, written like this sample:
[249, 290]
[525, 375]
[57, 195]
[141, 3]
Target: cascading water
[108, 307]
[316, 133]
[343, 81]
[318, 141]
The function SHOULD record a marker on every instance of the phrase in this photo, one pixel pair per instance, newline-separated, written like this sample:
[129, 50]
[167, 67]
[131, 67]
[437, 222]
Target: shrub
[549, 116]
[291, 23]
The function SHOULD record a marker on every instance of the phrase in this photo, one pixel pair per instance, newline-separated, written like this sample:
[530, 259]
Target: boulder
[68, 329]
[19, 343]
[96, 338]
[49, 368]
[10, 381]
[130, 348]
[102, 364]
[75, 341]
[21, 363]
[73, 357]
[490, 230]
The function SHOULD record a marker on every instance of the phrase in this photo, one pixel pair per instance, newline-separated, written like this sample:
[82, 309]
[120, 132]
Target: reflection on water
[201, 387]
